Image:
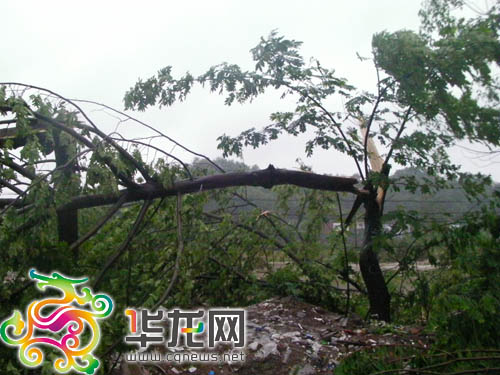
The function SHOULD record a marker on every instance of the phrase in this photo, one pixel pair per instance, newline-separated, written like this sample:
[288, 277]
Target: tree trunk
[67, 221]
[378, 294]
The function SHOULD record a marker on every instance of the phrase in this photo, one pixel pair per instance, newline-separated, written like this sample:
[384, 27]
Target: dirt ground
[285, 336]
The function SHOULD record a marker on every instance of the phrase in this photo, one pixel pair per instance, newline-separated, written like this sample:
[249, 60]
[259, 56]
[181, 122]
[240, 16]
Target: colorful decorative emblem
[67, 324]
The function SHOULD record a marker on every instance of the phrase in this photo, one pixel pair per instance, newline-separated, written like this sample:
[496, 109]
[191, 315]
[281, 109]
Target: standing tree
[434, 89]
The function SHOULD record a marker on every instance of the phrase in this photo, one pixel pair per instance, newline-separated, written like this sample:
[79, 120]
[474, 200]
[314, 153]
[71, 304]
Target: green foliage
[409, 360]
[435, 87]
[446, 72]
[278, 65]
[468, 292]
[286, 282]
[427, 99]
[461, 299]
[432, 83]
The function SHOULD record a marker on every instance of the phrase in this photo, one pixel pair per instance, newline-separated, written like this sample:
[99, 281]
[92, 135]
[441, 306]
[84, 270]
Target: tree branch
[124, 244]
[332, 119]
[154, 130]
[101, 222]
[398, 135]
[266, 178]
[22, 171]
[346, 259]
[95, 129]
[180, 249]
[123, 177]
[8, 185]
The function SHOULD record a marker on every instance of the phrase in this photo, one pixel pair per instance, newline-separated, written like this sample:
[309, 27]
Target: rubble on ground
[286, 336]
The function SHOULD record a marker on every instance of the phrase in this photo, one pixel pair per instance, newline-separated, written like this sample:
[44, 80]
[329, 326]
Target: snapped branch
[266, 178]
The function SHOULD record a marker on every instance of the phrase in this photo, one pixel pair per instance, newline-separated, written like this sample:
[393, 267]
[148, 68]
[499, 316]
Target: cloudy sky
[98, 49]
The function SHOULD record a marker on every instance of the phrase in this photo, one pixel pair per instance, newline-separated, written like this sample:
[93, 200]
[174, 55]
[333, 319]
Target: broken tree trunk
[378, 294]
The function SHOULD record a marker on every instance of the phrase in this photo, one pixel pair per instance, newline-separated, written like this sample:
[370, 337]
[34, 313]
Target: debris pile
[286, 336]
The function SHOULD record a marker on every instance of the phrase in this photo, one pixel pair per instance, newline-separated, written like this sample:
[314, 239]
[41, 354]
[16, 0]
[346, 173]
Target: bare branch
[266, 178]
[8, 185]
[163, 152]
[154, 130]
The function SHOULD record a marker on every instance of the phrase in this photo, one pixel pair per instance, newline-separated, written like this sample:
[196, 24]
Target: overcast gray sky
[98, 49]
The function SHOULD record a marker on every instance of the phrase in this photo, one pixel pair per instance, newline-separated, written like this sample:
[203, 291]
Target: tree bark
[378, 294]
[266, 178]
[67, 221]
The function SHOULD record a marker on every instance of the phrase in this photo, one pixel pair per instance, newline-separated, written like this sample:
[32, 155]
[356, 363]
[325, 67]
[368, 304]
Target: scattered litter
[267, 349]
[287, 336]
[253, 346]
[307, 370]
[286, 355]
